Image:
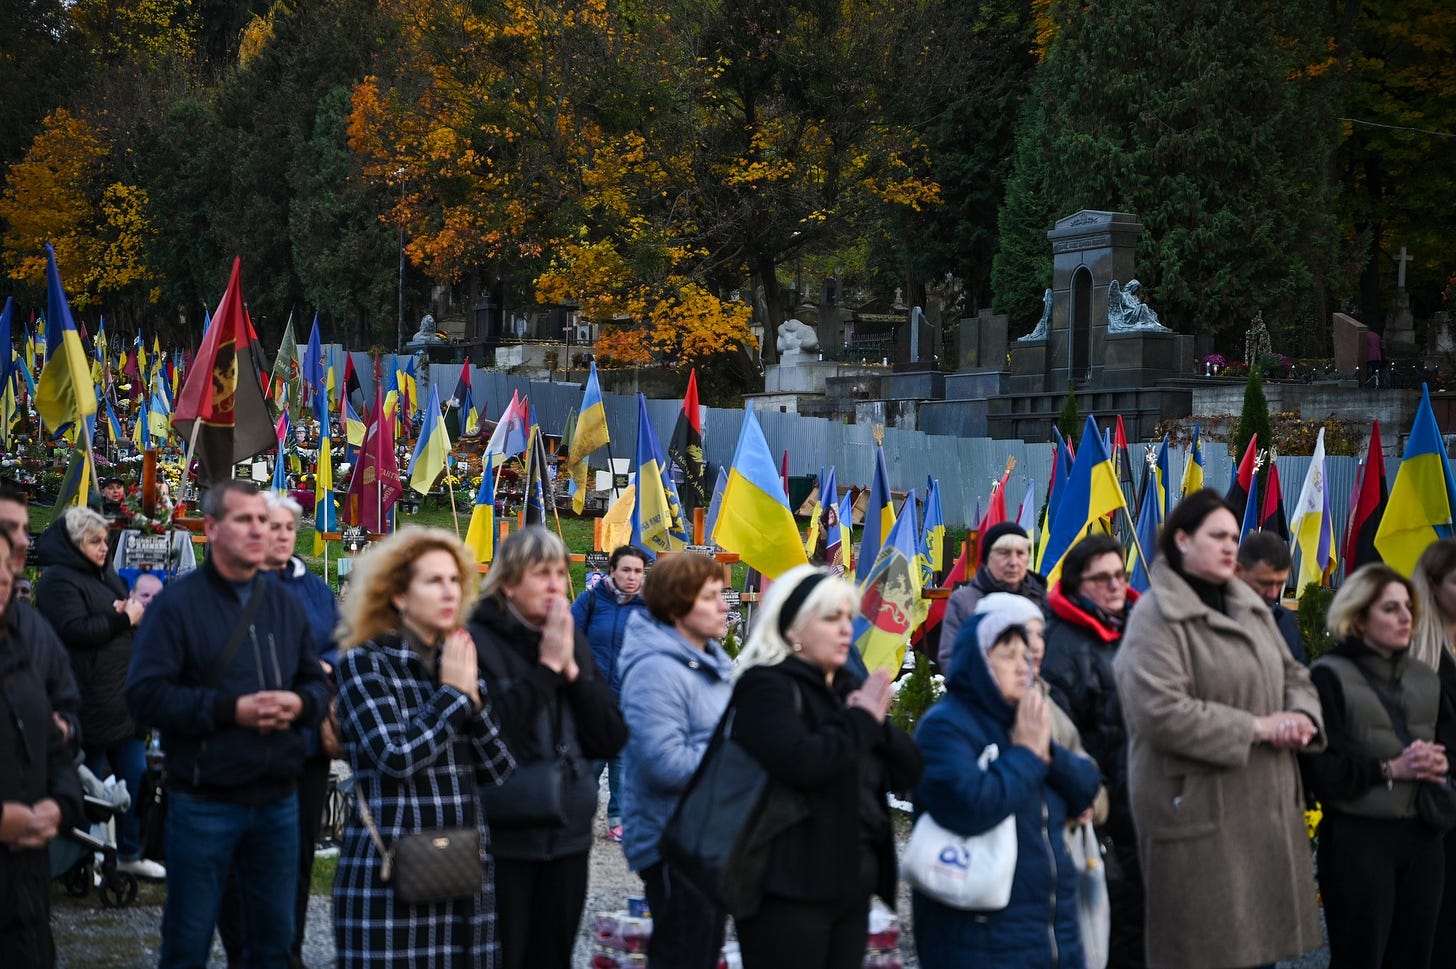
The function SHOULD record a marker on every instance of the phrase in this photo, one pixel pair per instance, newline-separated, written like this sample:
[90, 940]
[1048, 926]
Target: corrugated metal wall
[965, 467]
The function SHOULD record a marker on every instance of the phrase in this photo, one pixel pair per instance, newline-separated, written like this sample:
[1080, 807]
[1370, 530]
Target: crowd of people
[1182, 725]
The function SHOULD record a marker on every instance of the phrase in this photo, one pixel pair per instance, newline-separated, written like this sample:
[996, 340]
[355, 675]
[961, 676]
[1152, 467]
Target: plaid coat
[418, 754]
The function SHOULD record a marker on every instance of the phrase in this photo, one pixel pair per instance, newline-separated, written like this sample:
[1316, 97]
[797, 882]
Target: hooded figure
[1040, 783]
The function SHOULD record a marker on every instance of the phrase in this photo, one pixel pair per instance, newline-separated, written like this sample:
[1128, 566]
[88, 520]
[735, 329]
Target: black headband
[795, 601]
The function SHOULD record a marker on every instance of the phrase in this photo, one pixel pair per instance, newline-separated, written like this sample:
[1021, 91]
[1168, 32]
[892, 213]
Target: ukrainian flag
[432, 448]
[1091, 492]
[1422, 496]
[934, 540]
[480, 537]
[891, 607]
[64, 394]
[325, 506]
[1193, 470]
[657, 515]
[878, 520]
[590, 433]
[754, 519]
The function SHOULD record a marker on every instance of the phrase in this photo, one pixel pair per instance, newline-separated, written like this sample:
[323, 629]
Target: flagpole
[450, 488]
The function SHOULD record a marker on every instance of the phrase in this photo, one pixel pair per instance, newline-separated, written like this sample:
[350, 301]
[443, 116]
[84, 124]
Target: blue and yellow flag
[754, 519]
[1193, 470]
[590, 433]
[934, 532]
[480, 536]
[432, 448]
[656, 513]
[1419, 510]
[1091, 492]
[1149, 521]
[64, 394]
[878, 520]
[9, 409]
[816, 514]
[325, 506]
[891, 607]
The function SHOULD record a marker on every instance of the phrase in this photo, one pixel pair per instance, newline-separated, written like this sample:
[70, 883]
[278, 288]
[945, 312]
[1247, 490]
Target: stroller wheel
[78, 880]
[118, 890]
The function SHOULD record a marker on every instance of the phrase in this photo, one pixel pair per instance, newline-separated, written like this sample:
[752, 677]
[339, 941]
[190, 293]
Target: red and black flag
[1238, 494]
[375, 485]
[685, 451]
[1272, 516]
[223, 395]
[1369, 507]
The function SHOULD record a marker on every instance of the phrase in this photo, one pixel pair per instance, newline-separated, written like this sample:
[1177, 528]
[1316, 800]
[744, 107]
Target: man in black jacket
[224, 664]
[1264, 565]
[47, 655]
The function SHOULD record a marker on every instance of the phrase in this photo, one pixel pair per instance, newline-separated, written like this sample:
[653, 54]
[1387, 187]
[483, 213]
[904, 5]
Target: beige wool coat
[1225, 856]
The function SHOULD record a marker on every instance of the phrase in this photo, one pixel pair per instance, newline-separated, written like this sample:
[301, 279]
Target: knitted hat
[991, 626]
[1021, 609]
[997, 532]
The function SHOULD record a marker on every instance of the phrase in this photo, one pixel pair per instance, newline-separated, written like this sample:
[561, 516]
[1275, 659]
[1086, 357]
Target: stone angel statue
[1127, 312]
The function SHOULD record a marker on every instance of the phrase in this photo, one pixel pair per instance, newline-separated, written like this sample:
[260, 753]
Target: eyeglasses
[1107, 579]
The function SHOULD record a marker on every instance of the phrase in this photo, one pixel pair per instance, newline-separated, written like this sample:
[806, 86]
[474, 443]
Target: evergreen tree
[1069, 422]
[1206, 121]
[1254, 419]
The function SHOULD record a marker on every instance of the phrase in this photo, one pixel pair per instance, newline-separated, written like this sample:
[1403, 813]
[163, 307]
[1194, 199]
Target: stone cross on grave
[1400, 262]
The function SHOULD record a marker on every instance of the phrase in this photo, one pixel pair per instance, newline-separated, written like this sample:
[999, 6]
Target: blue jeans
[613, 768]
[205, 839]
[128, 761]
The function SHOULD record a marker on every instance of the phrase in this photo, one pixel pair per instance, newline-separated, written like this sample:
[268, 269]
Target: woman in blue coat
[989, 701]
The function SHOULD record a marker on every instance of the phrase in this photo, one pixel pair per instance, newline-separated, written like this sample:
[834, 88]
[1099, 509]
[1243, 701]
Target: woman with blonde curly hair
[420, 737]
[821, 733]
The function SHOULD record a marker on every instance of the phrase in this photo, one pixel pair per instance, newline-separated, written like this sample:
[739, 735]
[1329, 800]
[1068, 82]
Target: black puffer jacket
[78, 598]
[34, 764]
[529, 698]
[1077, 669]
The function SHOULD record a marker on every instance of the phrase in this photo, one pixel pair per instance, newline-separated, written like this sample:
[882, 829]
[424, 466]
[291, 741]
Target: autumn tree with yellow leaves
[642, 162]
[63, 192]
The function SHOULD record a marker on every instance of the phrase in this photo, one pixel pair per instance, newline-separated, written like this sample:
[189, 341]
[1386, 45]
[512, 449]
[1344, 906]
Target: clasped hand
[1421, 761]
[268, 710]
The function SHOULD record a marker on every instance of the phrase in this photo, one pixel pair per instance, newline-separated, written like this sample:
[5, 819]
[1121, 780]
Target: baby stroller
[75, 853]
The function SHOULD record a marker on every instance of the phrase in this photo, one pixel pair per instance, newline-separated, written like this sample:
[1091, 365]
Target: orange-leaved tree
[64, 192]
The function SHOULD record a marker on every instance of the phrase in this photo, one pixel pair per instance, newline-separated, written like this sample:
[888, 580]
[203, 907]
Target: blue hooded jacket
[673, 696]
[599, 615]
[1038, 927]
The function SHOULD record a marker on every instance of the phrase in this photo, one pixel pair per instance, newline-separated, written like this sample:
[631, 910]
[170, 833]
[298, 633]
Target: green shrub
[1314, 605]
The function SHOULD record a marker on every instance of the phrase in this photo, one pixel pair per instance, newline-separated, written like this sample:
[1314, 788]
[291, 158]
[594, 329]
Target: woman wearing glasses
[1089, 608]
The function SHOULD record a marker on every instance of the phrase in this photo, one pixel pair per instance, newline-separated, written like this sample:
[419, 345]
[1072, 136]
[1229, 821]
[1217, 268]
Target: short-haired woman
[1216, 712]
[95, 615]
[420, 734]
[1433, 585]
[1381, 868]
[1090, 606]
[552, 702]
[676, 681]
[821, 732]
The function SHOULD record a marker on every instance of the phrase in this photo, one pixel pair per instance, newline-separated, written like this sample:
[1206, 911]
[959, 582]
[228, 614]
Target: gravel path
[90, 937]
